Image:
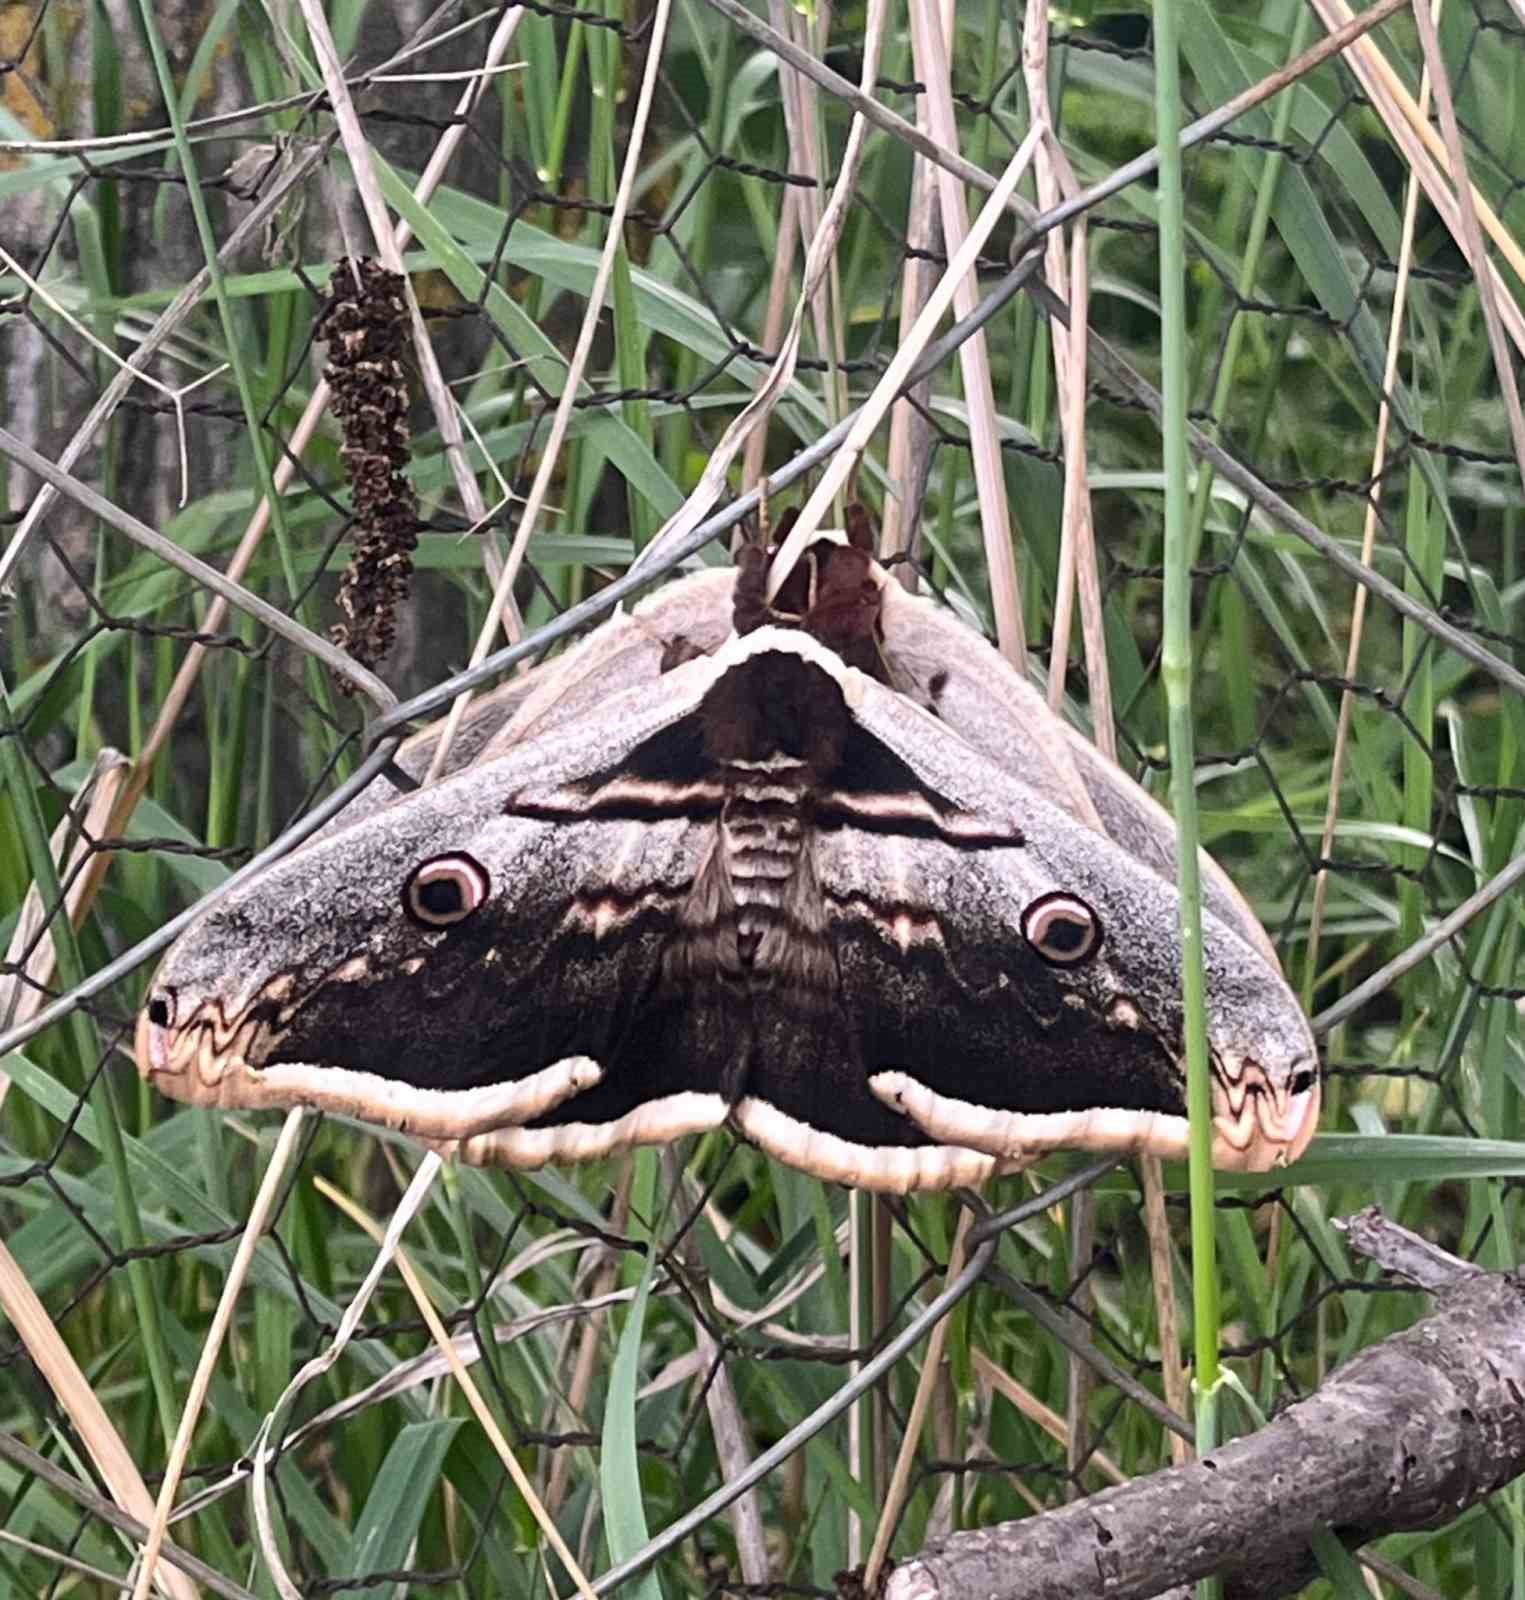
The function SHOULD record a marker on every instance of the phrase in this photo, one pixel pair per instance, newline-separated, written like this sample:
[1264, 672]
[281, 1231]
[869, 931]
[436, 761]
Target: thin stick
[446, 1346]
[243, 1259]
[931, 1366]
[734, 1448]
[613, 243]
[893, 379]
[929, 36]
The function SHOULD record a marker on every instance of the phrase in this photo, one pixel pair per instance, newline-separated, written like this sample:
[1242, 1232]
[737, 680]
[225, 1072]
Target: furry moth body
[895, 922]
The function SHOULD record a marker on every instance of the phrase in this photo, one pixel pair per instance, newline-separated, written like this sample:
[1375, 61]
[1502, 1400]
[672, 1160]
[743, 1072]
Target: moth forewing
[1101, 1035]
[969, 686]
[1139, 824]
[973, 689]
[628, 648]
[688, 618]
[315, 985]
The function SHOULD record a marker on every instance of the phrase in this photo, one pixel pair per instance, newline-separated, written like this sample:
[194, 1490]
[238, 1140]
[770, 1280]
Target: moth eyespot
[1062, 929]
[445, 891]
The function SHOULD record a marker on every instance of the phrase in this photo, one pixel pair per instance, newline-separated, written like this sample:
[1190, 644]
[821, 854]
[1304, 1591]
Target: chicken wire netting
[120, 1212]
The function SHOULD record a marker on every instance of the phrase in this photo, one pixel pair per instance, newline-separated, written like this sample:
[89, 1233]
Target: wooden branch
[1407, 1434]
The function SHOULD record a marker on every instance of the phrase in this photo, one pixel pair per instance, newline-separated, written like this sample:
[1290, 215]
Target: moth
[826, 870]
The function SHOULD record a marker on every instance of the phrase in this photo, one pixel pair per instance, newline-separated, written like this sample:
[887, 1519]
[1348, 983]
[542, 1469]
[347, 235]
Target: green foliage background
[1294, 227]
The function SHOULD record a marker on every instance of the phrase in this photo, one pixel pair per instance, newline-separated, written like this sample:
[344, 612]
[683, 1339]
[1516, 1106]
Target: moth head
[833, 592]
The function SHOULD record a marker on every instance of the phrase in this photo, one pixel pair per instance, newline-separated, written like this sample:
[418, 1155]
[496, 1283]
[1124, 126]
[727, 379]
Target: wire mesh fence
[171, 319]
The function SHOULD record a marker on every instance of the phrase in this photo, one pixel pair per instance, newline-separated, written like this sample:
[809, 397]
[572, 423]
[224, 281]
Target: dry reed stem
[73, 846]
[1368, 549]
[1425, 153]
[259, 1451]
[734, 1449]
[941, 1519]
[540, 487]
[1080, 1381]
[77, 1400]
[909, 456]
[446, 1347]
[1167, 1323]
[750, 423]
[755, 455]
[1045, 1417]
[211, 1348]
[930, 36]
[881, 1305]
[585, 1364]
[733, 1454]
[878, 403]
[898, 1487]
[800, 105]
[1077, 554]
[1489, 291]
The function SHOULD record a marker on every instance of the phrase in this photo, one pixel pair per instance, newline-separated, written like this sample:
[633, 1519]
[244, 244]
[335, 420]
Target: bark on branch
[1407, 1434]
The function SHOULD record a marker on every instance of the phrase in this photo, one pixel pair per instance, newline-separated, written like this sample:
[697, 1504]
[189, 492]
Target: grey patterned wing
[685, 618]
[1033, 991]
[950, 670]
[470, 956]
